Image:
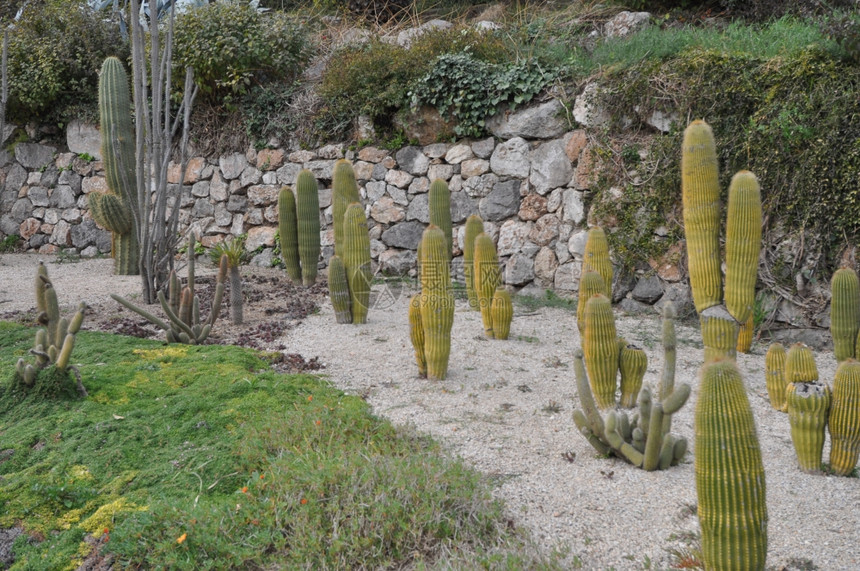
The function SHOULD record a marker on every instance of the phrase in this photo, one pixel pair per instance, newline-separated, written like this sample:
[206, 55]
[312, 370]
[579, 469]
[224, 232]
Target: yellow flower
[181, 538]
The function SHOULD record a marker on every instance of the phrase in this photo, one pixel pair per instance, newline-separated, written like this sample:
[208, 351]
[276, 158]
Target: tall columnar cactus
[502, 313]
[800, 365]
[439, 197]
[700, 189]
[182, 306]
[338, 290]
[116, 209]
[808, 409]
[774, 365]
[632, 363]
[844, 313]
[487, 278]
[287, 223]
[844, 424]
[743, 244]
[730, 481]
[645, 440]
[416, 334]
[356, 261]
[56, 337]
[596, 258]
[474, 226]
[308, 225]
[601, 350]
[436, 302]
[591, 283]
[344, 192]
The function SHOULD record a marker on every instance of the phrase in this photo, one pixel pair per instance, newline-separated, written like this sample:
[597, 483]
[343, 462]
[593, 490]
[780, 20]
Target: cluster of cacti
[234, 249]
[644, 439]
[807, 401]
[118, 210]
[182, 306]
[56, 337]
[349, 270]
[299, 228]
[721, 311]
[730, 481]
[431, 311]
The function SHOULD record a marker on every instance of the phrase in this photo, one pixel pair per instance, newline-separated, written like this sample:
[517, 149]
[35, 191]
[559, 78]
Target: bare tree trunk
[158, 235]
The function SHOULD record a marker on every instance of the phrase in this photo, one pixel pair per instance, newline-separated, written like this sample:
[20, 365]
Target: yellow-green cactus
[436, 303]
[632, 363]
[308, 225]
[601, 350]
[743, 244]
[730, 481]
[344, 191]
[439, 204]
[503, 313]
[474, 226]
[416, 334]
[844, 313]
[356, 261]
[844, 423]
[596, 258]
[800, 365]
[700, 190]
[808, 408]
[774, 365]
[288, 234]
[745, 335]
[590, 283]
[719, 333]
[487, 278]
[338, 290]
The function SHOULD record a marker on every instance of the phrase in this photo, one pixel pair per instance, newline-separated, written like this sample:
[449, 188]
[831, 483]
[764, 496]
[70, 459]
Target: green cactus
[745, 335]
[115, 210]
[182, 308]
[730, 480]
[590, 283]
[601, 350]
[416, 334]
[844, 313]
[719, 333]
[700, 190]
[356, 261]
[645, 441]
[743, 244]
[487, 277]
[596, 258]
[474, 226]
[308, 225]
[338, 289]
[800, 365]
[344, 192]
[502, 311]
[808, 408]
[774, 365]
[439, 197]
[56, 337]
[632, 364]
[287, 230]
[844, 423]
[436, 302]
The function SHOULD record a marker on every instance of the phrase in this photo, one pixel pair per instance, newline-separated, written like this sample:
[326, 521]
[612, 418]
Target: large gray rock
[419, 209]
[551, 166]
[82, 137]
[412, 160]
[513, 237]
[233, 165]
[511, 158]
[405, 235]
[480, 186]
[543, 121]
[574, 207]
[587, 110]
[406, 37]
[502, 202]
[34, 156]
[71, 179]
[15, 178]
[545, 265]
[62, 197]
[462, 206]
[397, 262]
[8, 226]
[38, 195]
[567, 276]
[648, 290]
[626, 23]
[88, 234]
[519, 270]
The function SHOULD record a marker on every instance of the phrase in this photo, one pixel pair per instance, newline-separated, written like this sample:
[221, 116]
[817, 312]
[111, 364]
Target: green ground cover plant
[204, 457]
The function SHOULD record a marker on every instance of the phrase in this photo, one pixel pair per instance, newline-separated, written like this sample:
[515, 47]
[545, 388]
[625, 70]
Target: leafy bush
[231, 47]
[844, 29]
[55, 52]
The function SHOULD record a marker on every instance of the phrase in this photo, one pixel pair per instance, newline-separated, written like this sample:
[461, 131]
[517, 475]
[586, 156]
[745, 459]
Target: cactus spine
[308, 225]
[701, 198]
[356, 261]
[808, 408]
[844, 313]
[338, 289]
[844, 421]
[416, 334]
[743, 244]
[590, 284]
[344, 192]
[436, 302]
[632, 364]
[601, 350]
[487, 278]
[115, 210]
[287, 222]
[439, 197]
[730, 481]
[502, 313]
[474, 226]
[596, 258]
[774, 365]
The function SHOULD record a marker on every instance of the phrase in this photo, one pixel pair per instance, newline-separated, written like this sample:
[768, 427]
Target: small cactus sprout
[774, 365]
[844, 423]
[503, 313]
[808, 408]
[844, 313]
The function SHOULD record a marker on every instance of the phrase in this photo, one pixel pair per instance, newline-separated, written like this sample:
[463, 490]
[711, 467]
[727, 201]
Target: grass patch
[202, 457]
[548, 299]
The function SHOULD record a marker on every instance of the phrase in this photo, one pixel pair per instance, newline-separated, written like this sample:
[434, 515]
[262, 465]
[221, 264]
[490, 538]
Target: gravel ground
[506, 409]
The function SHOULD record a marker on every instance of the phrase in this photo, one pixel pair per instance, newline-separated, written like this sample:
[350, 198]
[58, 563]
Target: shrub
[55, 52]
[231, 47]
